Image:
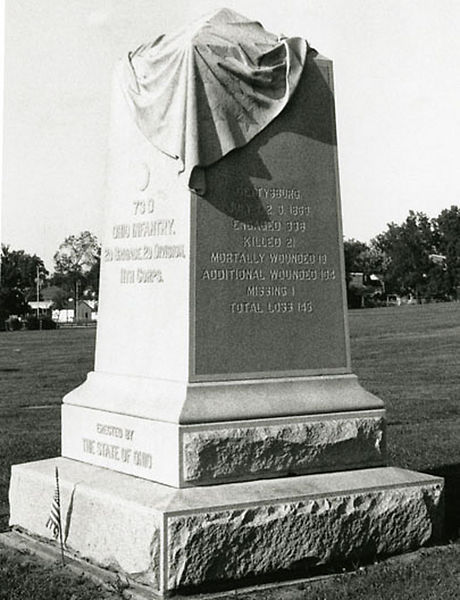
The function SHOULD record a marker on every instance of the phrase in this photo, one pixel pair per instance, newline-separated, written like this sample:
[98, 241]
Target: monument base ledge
[170, 539]
[184, 402]
[224, 452]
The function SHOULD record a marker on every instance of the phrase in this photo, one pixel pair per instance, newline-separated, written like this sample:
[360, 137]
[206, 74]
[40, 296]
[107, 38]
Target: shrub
[33, 322]
[13, 323]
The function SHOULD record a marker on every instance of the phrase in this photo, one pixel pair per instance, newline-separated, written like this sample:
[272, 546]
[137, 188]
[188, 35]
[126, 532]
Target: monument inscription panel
[142, 327]
[268, 288]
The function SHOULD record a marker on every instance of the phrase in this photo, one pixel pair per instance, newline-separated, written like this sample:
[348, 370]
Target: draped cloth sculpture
[200, 93]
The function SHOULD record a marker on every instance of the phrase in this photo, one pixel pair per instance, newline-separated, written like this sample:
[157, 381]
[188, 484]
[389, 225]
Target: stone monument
[222, 434]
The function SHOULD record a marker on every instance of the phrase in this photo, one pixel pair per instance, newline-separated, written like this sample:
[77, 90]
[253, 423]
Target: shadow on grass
[4, 519]
[451, 474]
[301, 570]
[304, 569]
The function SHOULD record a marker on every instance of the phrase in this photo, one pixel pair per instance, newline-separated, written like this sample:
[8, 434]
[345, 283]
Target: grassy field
[409, 356]
[22, 577]
[36, 369]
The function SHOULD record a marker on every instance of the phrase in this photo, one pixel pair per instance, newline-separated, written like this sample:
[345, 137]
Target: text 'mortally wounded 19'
[266, 273]
[268, 278]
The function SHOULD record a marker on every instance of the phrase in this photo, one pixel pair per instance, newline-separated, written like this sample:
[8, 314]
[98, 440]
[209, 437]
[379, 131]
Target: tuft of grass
[120, 587]
[24, 577]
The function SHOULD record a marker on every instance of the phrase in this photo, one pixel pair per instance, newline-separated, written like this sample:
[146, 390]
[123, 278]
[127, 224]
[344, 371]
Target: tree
[448, 243]
[368, 260]
[19, 270]
[363, 258]
[12, 302]
[57, 295]
[353, 251]
[408, 248]
[77, 264]
[18, 280]
[92, 277]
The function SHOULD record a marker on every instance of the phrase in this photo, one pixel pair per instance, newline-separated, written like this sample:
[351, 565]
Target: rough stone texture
[259, 540]
[266, 450]
[208, 453]
[170, 538]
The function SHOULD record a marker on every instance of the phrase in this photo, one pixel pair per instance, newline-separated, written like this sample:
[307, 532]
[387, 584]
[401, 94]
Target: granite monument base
[174, 538]
[184, 434]
[223, 452]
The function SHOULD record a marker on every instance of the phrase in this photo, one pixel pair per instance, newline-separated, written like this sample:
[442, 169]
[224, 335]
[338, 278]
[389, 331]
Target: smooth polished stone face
[143, 309]
[267, 273]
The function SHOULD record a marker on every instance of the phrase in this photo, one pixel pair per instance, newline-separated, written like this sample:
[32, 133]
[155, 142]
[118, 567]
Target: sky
[397, 90]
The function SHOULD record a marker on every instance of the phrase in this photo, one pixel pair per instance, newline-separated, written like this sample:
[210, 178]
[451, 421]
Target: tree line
[24, 277]
[420, 258]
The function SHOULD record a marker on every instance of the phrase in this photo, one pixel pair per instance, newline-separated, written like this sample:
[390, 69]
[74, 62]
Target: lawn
[22, 577]
[409, 356]
[36, 369]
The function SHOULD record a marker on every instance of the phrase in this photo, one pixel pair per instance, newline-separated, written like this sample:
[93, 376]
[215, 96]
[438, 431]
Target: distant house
[364, 290]
[63, 315]
[43, 307]
[92, 304]
[373, 282]
[86, 312]
[356, 279]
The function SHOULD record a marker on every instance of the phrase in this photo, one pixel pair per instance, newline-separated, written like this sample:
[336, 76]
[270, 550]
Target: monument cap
[211, 87]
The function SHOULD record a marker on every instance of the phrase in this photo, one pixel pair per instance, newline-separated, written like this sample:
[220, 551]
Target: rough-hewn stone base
[208, 453]
[238, 451]
[171, 538]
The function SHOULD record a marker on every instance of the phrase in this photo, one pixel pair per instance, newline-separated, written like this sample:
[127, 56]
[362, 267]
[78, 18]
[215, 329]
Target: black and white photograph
[230, 300]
